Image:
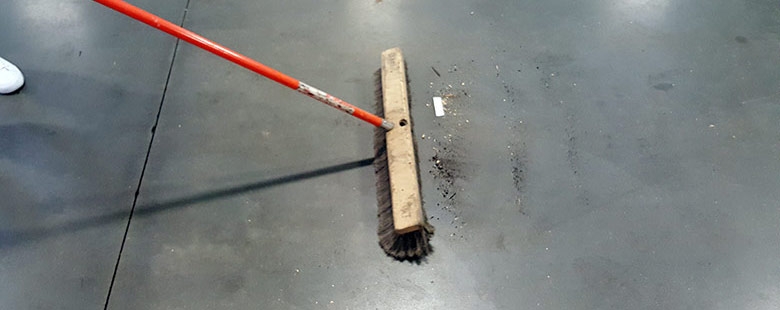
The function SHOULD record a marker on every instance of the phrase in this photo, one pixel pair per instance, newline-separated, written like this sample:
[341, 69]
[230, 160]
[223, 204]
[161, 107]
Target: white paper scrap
[438, 108]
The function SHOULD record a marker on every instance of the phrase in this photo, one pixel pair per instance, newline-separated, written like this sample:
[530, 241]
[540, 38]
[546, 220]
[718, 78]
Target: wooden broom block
[402, 165]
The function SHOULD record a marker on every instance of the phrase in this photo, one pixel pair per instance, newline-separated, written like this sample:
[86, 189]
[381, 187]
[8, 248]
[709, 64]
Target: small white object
[11, 78]
[438, 107]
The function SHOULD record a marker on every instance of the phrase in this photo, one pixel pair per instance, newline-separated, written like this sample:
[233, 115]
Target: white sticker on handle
[438, 107]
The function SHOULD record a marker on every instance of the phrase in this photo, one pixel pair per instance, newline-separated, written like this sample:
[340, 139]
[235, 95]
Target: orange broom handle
[241, 60]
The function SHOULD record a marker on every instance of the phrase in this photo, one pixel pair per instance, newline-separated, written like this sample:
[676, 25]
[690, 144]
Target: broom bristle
[412, 246]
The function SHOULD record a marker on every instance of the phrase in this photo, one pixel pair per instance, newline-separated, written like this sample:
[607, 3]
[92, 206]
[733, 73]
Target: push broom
[403, 230]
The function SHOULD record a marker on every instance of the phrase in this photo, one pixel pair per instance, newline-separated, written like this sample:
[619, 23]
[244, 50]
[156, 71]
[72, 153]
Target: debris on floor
[438, 107]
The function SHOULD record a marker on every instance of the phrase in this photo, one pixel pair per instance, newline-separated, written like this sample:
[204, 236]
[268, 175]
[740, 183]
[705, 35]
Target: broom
[403, 230]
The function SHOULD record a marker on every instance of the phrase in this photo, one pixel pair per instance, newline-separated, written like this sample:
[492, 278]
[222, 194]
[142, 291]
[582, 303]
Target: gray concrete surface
[594, 155]
[72, 145]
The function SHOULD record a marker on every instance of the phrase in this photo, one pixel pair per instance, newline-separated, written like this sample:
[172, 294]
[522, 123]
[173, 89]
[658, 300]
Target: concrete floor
[612, 154]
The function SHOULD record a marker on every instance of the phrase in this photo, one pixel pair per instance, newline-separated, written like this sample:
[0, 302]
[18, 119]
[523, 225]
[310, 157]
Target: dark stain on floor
[518, 160]
[663, 86]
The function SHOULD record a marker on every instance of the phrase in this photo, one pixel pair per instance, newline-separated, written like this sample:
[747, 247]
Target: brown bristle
[411, 246]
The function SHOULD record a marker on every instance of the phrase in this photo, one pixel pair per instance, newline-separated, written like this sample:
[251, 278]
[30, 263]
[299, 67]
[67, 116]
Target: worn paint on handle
[342, 105]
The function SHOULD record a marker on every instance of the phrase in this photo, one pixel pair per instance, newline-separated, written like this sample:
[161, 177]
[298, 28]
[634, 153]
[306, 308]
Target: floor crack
[146, 159]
